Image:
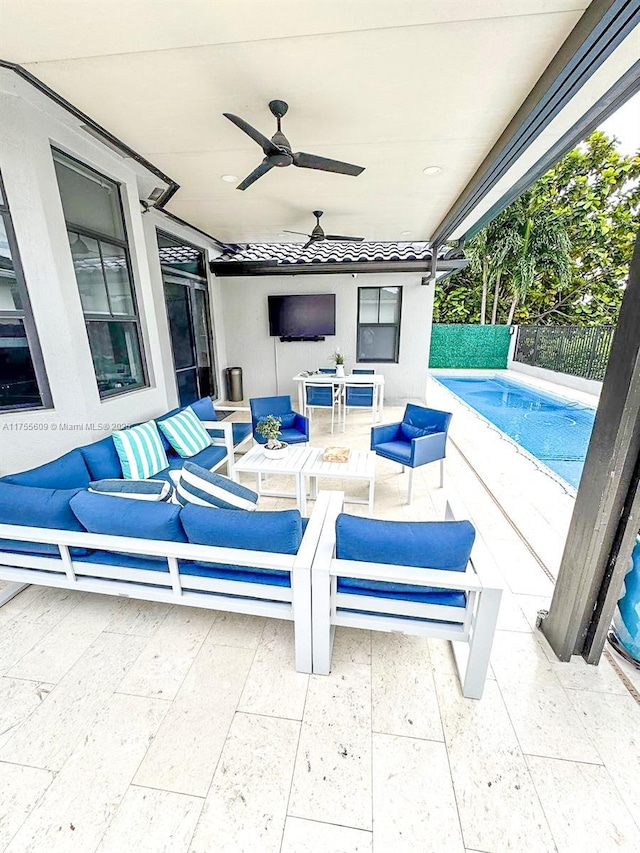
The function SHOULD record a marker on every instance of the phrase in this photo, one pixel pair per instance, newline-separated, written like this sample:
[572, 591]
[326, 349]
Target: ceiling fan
[277, 150]
[318, 233]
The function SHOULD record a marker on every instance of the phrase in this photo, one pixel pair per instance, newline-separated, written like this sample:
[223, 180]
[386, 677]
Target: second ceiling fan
[318, 233]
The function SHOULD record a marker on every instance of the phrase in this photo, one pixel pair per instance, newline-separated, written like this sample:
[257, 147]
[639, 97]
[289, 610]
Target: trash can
[234, 384]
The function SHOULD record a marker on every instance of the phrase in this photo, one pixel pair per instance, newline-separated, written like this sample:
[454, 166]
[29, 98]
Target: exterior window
[379, 323]
[187, 299]
[97, 237]
[23, 383]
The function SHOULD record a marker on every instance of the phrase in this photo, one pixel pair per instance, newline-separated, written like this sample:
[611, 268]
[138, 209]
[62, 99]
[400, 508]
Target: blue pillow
[424, 544]
[140, 490]
[199, 486]
[102, 460]
[409, 432]
[204, 409]
[125, 517]
[288, 420]
[35, 507]
[66, 472]
[279, 532]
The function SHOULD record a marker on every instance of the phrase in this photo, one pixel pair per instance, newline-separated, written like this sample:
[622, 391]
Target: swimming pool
[554, 430]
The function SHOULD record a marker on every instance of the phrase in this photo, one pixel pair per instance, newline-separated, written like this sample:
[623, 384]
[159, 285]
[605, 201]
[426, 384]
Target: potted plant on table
[338, 358]
[269, 428]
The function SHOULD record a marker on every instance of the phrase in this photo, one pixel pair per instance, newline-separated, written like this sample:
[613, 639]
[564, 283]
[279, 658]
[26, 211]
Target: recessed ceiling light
[228, 179]
[432, 170]
[405, 233]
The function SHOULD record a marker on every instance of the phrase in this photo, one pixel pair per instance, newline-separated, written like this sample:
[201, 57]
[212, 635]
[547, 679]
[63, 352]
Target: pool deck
[131, 726]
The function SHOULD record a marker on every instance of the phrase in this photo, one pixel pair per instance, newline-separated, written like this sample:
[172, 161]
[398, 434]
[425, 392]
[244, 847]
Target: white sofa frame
[226, 440]
[173, 587]
[470, 629]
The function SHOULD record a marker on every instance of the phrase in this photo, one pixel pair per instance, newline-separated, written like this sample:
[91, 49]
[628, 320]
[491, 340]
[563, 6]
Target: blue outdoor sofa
[55, 532]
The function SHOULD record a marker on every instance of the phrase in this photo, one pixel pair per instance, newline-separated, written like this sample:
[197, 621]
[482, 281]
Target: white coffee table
[361, 466]
[255, 462]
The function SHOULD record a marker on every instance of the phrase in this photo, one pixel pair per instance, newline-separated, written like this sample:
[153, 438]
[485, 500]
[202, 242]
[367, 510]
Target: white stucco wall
[30, 125]
[269, 365]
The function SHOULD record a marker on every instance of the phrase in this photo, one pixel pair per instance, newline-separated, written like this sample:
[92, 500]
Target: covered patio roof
[395, 90]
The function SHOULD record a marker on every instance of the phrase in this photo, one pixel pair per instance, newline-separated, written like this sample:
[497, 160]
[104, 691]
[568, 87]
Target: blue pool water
[554, 430]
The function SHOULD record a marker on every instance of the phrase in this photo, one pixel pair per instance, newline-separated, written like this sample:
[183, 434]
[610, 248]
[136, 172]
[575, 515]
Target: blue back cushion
[263, 406]
[67, 472]
[163, 438]
[203, 408]
[431, 420]
[102, 460]
[408, 432]
[35, 507]
[279, 532]
[127, 517]
[425, 544]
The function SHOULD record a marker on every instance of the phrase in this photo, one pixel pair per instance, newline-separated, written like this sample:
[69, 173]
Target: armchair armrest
[428, 448]
[231, 408]
[385, 432]
[301, 423]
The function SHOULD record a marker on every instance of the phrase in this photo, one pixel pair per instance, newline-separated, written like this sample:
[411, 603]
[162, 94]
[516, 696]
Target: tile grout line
[295, 761]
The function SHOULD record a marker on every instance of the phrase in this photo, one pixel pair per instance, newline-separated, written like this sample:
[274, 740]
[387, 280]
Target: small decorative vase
[339, 369]
[276, 452]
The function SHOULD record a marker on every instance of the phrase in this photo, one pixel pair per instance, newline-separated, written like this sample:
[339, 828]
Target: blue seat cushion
[207, 458]
[444, 545]
[292, 436]
[127, 517]
[403, 592]
[203, 408]
[240, 432]
[196, 569]
[278, 532]
[397, 451]
[102, 460]
[239, 429]
[36, 507]
[66, 472]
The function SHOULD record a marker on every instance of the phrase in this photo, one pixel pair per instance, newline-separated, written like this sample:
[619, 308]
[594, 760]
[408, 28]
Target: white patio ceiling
[394, 87]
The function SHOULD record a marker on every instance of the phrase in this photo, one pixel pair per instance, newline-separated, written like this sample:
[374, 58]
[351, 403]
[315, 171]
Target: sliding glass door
[187, 299]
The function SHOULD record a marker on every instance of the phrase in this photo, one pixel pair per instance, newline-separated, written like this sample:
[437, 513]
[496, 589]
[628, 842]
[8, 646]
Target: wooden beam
[604, 521]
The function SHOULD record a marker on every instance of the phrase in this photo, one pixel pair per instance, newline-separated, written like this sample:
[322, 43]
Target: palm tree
[540, 245]
[521, 243]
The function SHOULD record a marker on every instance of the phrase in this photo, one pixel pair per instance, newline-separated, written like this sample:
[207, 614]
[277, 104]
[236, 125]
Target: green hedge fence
[460, 345]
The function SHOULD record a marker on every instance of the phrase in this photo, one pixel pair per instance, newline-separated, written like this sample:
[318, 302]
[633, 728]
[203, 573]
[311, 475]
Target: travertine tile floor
[128, 727]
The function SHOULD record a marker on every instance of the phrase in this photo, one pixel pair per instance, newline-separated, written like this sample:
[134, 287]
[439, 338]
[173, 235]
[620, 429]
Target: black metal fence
[578, 350]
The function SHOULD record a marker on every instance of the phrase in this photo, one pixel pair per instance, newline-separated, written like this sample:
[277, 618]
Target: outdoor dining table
[375, 379]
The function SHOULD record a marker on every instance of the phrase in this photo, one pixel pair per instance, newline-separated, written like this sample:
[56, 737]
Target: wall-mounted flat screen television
[307, 315]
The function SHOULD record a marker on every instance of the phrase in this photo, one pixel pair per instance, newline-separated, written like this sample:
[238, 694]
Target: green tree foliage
[562, 249]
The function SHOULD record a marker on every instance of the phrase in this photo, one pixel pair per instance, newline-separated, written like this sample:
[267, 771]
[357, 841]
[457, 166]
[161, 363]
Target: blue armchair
[295, 427]
[420, 438]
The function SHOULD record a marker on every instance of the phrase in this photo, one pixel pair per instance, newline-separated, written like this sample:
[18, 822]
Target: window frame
[92, 316]
[24, 314]
[397, 326]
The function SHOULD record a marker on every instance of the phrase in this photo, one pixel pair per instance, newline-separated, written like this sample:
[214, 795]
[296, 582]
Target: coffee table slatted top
[360, 466]
[255, 461]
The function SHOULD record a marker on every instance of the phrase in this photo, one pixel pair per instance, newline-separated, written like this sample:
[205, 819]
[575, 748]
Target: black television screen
[305, 315]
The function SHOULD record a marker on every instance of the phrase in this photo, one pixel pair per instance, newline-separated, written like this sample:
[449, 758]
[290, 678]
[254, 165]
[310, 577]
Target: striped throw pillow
[185, 433]
[199, 486]
[140, 451]
[141, 490]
